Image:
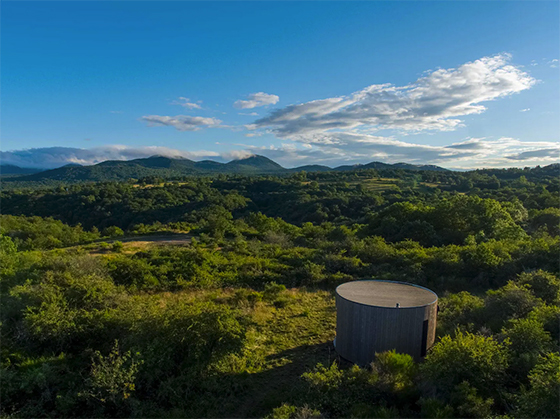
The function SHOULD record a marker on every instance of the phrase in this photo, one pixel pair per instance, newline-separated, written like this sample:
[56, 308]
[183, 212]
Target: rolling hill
[166, 167]
[10, 169]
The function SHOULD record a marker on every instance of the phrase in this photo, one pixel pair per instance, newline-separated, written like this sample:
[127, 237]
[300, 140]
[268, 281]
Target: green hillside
[167, 168]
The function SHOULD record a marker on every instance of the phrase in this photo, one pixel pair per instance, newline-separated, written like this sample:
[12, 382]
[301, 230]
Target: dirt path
[171, 238]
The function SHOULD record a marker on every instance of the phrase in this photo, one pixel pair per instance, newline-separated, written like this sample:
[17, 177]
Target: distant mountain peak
[254, 157]
[161, 156]
[169, 167]
[257, 162]
[12, 169]
[247, 157]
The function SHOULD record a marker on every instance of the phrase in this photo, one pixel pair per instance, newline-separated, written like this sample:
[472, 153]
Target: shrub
[478, 360]
[136, 273]
[528, 340]
[287, 411]
[460, 310]
[112, 231]
[118, 247]
[542, 284]
[542, 398]
[244, 296]
[272, 291]
[510, 301]
[112, 381]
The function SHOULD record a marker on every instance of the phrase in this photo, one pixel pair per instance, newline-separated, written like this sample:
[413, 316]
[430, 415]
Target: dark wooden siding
[363, 330]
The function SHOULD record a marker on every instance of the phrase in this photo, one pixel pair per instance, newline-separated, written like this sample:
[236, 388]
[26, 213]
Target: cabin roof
[386, 294]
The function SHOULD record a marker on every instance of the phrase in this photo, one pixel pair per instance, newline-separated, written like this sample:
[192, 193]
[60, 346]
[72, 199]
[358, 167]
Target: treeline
[343, 198]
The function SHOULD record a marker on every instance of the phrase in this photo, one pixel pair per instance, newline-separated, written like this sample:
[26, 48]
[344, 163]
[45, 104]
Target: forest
[213, 296]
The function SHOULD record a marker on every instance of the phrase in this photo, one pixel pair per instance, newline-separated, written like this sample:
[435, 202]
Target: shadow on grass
[258, 393]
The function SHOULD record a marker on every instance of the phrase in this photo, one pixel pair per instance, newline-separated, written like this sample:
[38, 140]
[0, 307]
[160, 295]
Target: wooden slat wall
[363, 330]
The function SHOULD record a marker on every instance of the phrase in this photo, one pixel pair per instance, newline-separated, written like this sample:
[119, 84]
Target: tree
[542, 398]
[112, 231]
[543, 284]
[528, 340]
[480, 361]
[468, 404]
[510, 301]
[460, 310]
[8, 251]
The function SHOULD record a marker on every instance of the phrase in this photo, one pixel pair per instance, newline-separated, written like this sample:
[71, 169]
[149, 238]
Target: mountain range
[168, 167]
[10, 169]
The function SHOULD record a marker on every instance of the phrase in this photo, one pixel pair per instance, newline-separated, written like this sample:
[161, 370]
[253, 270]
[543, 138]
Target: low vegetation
[238, 319]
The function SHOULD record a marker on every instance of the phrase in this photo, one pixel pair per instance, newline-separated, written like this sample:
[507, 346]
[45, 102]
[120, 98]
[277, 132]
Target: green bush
[542, 398]
[112, 382]
[112, 231]
[272, 291]
[542, 284]
[117, 246]
[480, 361]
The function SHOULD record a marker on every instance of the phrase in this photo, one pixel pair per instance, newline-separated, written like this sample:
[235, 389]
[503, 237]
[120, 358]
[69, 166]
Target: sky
[461, 84]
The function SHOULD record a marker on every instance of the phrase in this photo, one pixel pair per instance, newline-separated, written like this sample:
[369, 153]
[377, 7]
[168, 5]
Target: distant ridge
[379, 165]
[312, 168]
[166, 167]
[256, 164]
[10, 169]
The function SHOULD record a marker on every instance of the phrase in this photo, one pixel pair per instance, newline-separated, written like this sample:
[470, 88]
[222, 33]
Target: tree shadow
[256, 394]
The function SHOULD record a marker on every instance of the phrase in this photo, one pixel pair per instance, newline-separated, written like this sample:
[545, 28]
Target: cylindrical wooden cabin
[377, 316]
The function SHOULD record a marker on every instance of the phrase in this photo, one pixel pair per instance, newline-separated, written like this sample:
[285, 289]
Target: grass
[381, 184]
[282, 344]
[284, 339]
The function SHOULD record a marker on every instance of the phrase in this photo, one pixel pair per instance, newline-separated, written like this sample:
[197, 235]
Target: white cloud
[525, 110]
[182, 122]
[433, 102]
[342, 130]
[237, 154]
[549, 153]
[255, 100]
[249, 114]
[340, 148]
[51, 157]
[553, 63]
[355, 148]
[186, 103]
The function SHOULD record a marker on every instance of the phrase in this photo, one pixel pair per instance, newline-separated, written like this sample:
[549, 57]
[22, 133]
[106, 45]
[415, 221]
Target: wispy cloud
[255, 100]
[469, 153]
[52, 157]
[433, 102]
[182, 122]
[553, 63]
[343, 149]
[343, 130]
[548, 153]
[185, 102]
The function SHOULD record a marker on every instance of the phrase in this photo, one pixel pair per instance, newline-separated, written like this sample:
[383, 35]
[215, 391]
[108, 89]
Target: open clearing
[133, 244]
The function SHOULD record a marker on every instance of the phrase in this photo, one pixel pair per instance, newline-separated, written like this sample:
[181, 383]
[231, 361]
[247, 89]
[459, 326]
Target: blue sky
[459, 84]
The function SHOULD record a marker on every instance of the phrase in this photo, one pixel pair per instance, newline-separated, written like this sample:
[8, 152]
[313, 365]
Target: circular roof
[386, 294]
